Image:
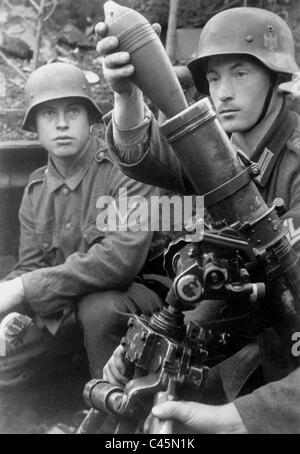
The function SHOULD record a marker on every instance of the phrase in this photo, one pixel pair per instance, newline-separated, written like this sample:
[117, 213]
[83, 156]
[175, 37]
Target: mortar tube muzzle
[103, 396]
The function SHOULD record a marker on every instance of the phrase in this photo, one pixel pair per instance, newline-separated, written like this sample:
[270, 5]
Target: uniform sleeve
[275, 407]
[144, 154]
[291, 218]
[112, 263]
[30, 255]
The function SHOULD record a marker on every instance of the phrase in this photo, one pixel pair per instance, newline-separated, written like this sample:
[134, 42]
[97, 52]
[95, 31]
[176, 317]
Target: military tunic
[63, 254]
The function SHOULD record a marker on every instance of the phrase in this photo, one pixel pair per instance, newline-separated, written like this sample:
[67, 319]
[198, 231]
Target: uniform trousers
[97, 323]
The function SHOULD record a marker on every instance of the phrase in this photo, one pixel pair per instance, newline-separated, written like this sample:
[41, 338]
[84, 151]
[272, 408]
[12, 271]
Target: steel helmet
[55, 81]
[249, 31]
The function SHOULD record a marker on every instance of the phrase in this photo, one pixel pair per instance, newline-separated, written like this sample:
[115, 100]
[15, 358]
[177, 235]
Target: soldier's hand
[199, 418]
[115, 369]
[13, 328]
[11, 294]
[117, 68]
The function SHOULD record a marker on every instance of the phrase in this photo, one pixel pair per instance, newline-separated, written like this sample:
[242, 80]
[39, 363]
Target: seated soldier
[70, 268]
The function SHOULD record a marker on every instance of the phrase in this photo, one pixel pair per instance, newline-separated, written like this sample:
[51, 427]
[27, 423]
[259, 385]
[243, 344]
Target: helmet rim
[254, 32]
[57, 81]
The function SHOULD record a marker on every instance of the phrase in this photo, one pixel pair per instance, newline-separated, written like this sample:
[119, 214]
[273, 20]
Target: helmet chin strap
[266, 105]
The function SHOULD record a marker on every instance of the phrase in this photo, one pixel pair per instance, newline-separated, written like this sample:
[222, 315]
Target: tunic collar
[268, 150]
[80, 167]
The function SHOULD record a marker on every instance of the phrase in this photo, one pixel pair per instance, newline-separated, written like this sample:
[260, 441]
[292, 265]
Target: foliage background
[83, 13]
[192, 13]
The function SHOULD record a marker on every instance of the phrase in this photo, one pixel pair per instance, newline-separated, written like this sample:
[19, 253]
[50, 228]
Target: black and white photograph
[150, 219]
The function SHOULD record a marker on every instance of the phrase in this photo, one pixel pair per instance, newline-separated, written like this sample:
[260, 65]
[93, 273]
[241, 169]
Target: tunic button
[101, 155]
[65, 191]
[68, 226]
[45, 245]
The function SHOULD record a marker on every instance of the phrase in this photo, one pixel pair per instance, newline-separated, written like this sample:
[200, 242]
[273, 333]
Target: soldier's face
[238, 88]
[63, 127]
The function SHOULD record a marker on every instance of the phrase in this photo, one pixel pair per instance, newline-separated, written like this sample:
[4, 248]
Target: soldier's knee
[103, 309]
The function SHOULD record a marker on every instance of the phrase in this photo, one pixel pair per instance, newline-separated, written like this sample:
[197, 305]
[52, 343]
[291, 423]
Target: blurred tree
[191, 13]
[42, 11]
[172, 26]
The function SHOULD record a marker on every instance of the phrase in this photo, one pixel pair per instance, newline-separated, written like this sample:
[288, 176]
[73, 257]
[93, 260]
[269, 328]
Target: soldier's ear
[90, 113]
[32, 122]
[282, 78]
[92, 124]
